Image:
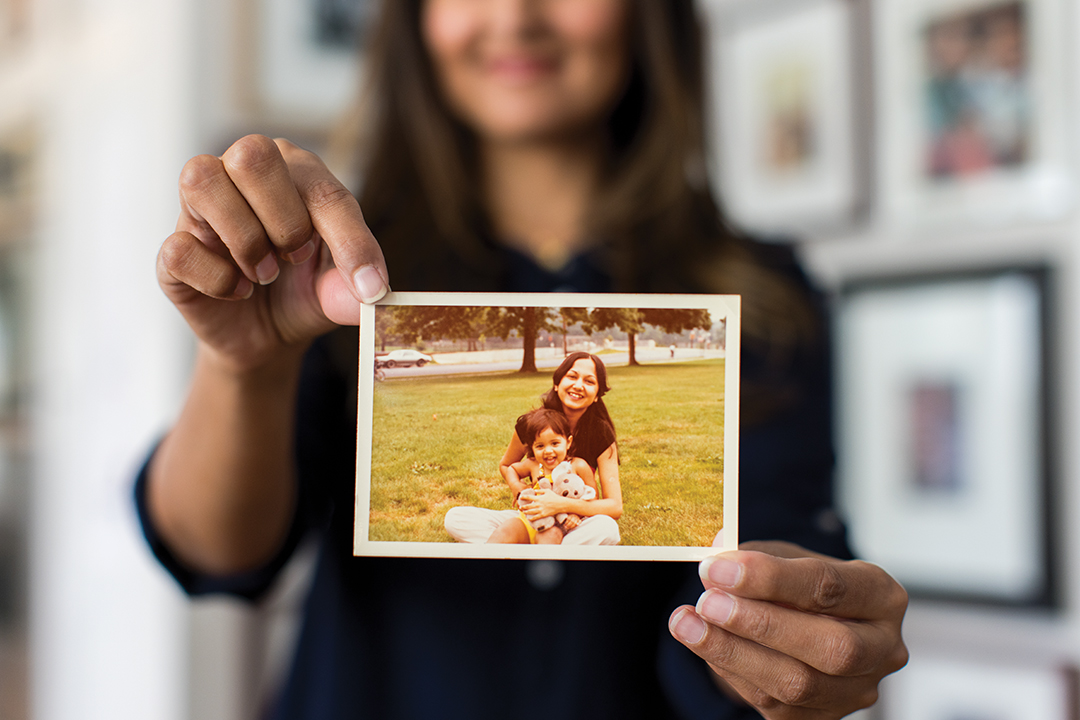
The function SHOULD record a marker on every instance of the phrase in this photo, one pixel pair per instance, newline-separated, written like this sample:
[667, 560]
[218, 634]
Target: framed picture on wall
[302, 64]
[932, 688]
[944, 433]
[791, 155]
[973, 124]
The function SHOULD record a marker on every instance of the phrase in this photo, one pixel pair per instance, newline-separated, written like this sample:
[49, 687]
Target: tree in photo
[632, 321]
[428, 322]
[528, 322]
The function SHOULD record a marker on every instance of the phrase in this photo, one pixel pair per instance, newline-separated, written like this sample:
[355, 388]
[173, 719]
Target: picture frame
[431, 437]
[939, 688]
[299, 64]
[944, 431]
[790, 116]
[974, 126]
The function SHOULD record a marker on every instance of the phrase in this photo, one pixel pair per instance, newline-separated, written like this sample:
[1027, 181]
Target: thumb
[337, 298]
[337, 218]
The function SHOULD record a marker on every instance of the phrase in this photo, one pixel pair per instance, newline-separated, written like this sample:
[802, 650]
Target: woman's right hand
[270, 251]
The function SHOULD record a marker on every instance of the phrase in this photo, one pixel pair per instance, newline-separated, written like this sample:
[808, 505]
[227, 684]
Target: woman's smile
[579, 388]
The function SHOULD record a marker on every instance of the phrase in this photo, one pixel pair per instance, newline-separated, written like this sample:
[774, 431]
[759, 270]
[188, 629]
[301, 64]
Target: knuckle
[175, 253]
[829, 588]
[866, 698]
[761, 699]
[759, 625]
[251, 153]
[719, 650]
[293, 233]
[798, 687]
[325, 193]
[846, 654]
[200, 171]
[899, 658]
[182, 260]
[898, 599]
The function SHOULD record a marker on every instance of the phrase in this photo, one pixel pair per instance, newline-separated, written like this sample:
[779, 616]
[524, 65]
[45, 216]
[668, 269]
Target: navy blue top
[393, 638]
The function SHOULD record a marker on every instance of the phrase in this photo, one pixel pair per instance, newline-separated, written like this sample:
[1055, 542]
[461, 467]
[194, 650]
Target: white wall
[116, 116]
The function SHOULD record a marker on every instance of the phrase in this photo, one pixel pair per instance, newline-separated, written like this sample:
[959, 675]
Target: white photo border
[722, 306]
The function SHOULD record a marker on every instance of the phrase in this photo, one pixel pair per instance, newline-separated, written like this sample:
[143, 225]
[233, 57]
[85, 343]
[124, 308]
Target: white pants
[475, 525]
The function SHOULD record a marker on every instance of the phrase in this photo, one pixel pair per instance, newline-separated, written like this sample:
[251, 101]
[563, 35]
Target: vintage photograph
[978, 93]
[574, 429]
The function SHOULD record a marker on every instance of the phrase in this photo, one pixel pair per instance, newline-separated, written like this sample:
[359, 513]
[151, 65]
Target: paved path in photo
[545, 362]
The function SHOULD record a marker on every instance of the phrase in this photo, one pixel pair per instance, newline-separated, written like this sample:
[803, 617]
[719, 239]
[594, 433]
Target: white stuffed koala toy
[569, 484]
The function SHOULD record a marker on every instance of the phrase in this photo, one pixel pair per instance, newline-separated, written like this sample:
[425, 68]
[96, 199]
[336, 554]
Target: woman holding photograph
[522, 145]
[578, 388]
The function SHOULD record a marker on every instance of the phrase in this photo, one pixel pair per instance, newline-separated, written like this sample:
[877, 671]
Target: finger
[337, 218]
[212, 206]
[773, 708]
[848, 589]
[258, 169]
[826, 644]
[184, 261]
[773, 675]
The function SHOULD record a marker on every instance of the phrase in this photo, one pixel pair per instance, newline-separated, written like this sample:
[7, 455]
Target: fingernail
[301, 256]
[369, 284]
[267, 270]
[688, 627]
[716, 606]
[243, 289]
[720, 571]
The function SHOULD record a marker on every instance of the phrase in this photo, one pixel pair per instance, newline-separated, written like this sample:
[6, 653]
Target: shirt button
[544, 574]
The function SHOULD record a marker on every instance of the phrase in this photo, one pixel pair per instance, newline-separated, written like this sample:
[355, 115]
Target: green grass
[438, 441]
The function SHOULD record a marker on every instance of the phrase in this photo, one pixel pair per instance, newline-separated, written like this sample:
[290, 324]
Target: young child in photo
[547, 441]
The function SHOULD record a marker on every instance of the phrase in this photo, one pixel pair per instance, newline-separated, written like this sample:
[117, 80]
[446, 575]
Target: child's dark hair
[536, 421]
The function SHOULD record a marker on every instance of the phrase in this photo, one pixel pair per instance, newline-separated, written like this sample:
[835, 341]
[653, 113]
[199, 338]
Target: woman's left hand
[545, 504]
[797, 635]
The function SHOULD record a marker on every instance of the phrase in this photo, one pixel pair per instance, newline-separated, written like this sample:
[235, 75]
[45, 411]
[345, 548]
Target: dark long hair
[595, 427]
[658, 226]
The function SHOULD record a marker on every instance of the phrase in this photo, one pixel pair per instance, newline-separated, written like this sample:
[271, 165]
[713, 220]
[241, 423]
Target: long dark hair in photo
[595, 430]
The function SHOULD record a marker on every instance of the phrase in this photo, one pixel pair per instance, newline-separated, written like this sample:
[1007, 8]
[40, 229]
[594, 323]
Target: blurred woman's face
[520, 70]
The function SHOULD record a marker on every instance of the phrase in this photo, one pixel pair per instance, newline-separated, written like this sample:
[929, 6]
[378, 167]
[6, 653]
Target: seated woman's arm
[511, 467]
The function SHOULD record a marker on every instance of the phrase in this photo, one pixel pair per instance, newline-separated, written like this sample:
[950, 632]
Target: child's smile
[549, 448]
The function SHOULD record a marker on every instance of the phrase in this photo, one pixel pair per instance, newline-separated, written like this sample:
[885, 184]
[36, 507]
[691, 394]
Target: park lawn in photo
[437, 443]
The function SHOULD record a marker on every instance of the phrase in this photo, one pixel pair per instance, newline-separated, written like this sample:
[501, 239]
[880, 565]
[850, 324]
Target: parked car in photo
[403, 358]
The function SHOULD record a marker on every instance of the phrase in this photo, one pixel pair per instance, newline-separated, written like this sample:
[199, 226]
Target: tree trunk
[633, 348]
[528, 333]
